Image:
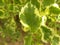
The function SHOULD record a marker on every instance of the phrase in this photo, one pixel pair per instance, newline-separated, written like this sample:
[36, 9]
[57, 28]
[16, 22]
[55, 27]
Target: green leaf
[17, 2]
[36, 3]
[10, 7]
[1, 3]
[28, 0]
[1, 12]
[54, 10]
[55, 40]
[48, 2]
[8, 1]
[29, 17]
[47, 33]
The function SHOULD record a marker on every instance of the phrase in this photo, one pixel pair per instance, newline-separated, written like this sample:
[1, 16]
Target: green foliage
[48, 2]
[1, 13]
[17, 2]
[28, 40]
[29, 17]
[55, 40]
[10, 7]
[1, 3]
[47, 33]
[54, 10]
[36, 3]
[37, 21]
